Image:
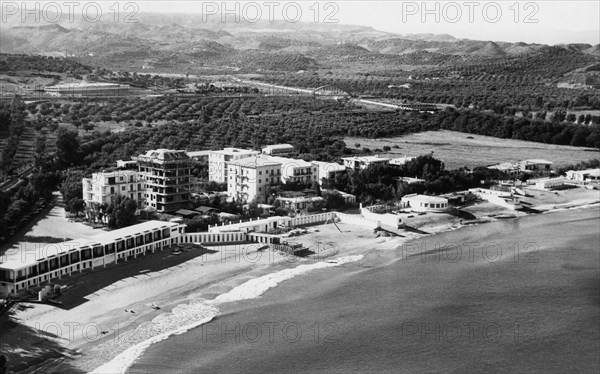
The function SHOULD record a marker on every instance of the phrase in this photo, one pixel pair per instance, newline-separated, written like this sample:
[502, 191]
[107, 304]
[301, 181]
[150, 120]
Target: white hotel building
[104, 187]
[249, 177]
[217, 162]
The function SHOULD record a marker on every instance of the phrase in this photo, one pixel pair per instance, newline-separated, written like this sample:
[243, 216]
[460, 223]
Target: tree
[317, 188]
[71, 188]
[76, 206]
[67, 148]
[121, 212]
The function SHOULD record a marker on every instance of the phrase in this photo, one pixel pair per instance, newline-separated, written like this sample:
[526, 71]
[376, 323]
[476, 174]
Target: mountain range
[185, 42]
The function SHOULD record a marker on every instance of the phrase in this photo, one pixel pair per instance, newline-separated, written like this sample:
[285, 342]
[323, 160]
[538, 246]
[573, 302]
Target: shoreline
[174, 286]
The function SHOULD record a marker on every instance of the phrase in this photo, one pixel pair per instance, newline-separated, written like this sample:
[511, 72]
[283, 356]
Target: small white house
[424, 203]
[589, 175]
[549, 183]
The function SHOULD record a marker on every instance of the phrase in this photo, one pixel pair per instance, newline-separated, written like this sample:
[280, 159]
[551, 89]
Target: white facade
[544, 184]
[297, 203]
[401, 161]
[217, 162]
[424, 203]
[327, 172]
[248, 178]
[359, 163]
[19, 272]
[525, 166]
[295, 170]
[104, 187]
[589, 175]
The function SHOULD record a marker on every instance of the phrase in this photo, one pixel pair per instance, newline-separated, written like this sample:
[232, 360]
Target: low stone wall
[312, 219]
[358, 220]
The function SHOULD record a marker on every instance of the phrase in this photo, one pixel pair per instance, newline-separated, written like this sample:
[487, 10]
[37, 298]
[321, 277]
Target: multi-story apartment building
[327, 172]
[295, 170]
[249, 177]
[105, 186]
[168, 178]
[283, 150]
[217, 162]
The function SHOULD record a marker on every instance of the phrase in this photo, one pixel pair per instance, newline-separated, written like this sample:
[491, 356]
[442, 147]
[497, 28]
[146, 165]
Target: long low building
[88, 89]
[25, 269]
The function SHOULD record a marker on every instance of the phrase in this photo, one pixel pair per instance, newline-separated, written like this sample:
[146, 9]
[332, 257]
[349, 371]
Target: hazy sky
[549, 21]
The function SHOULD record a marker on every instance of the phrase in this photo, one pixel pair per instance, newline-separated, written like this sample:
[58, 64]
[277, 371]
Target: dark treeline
[319, 137]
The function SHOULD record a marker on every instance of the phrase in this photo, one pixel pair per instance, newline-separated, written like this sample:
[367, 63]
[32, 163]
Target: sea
[519, 295]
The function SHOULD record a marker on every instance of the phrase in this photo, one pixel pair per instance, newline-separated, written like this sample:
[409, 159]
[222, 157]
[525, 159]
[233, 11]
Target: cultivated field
[458, 149]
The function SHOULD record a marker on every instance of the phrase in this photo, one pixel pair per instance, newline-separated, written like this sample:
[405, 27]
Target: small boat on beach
[154, 306]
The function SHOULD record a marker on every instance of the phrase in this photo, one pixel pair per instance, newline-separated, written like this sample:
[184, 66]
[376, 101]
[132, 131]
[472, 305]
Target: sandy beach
[106, 311]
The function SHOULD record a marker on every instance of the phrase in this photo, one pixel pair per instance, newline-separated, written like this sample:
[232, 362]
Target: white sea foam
[258, 286]
[185, 317]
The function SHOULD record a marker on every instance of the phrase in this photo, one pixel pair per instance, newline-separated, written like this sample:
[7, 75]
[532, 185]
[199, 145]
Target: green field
[458, 149]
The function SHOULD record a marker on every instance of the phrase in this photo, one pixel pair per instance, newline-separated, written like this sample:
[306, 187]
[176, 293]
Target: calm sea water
[523, 296]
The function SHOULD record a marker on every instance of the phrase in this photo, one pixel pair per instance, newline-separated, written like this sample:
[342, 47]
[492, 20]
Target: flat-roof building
[88, 89]
[589, 175]
[300, 202]
[423, 203]
[279, 150]
[359, 163]
[217, 162]
[247, 178]
[168, 179]
[327, 172]
[25, 268]
[104, 187]
[401, 160]
[295, 170]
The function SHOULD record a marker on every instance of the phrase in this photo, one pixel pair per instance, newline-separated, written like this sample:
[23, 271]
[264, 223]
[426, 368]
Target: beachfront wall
[312, 219]
[354, 219]
[55, 260]
[387, 219]
[215, 238]
[257, 225]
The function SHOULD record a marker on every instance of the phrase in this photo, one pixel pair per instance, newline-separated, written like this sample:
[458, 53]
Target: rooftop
[254, 162]
[301, 199]
[83, 84]
[25, 257]
[287, 162]
[537, 161]
[114, 173]
[198, 153]
[401, 160]
[329, 166]
[375, 158]
[278, 146]
[234, 151]
[165, 154]
[426, 198]
[592, 172]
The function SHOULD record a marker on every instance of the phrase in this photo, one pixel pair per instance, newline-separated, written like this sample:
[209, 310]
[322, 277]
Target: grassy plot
[458, 149]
